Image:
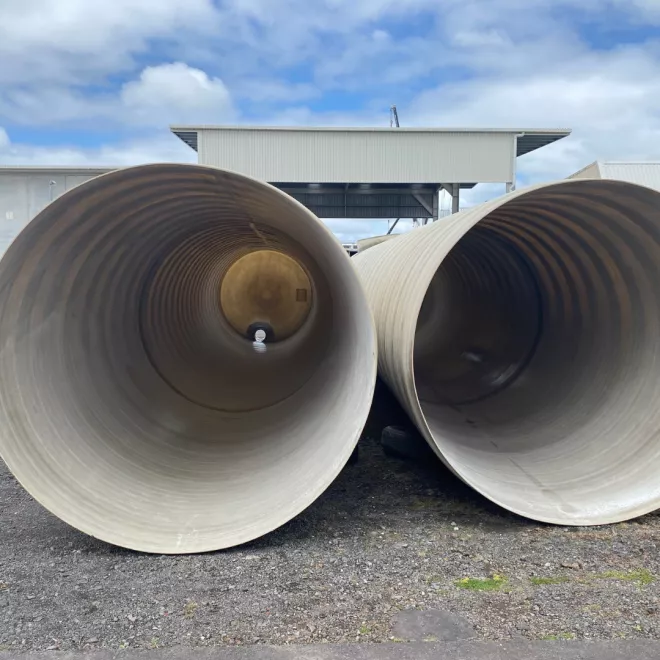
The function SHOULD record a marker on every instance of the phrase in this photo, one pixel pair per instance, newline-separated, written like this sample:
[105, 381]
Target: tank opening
[535, 353]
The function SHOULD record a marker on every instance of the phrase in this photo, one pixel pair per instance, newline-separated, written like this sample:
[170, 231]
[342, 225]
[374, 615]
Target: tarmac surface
[456, 651]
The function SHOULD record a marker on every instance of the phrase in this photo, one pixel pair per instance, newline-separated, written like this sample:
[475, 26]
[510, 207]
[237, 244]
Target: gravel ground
[389, 535]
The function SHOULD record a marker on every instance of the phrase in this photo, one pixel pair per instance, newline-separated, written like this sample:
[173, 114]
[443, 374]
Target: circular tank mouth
[134, 403]
[537, 348]
[268, 291]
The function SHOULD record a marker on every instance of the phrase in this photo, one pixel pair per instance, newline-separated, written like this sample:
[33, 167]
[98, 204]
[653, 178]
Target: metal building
[335, 172]
[24, 191]
[643, 173]
[368, 172]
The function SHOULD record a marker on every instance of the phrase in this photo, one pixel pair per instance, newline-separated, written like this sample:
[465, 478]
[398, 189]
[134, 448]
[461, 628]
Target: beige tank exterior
[129, 405]
[523, 338]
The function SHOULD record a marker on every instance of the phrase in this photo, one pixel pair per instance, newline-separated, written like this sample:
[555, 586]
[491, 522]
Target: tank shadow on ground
[378, 487]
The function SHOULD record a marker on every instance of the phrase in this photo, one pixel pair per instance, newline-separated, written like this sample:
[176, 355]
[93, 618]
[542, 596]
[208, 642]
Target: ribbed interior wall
[480, 321]
[130, 407]
[189, 340]
[530, 351]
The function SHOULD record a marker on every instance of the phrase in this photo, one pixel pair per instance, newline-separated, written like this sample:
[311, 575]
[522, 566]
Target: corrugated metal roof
[643, 173]
[365, 201]
[532, 140]
[528, 139]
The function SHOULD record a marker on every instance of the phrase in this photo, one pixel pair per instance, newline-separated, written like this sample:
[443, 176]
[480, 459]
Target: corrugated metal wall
[355, 156]
[23, 194]
[644, 174]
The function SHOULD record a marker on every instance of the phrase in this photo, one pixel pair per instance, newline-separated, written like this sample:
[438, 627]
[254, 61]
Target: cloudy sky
[98, 82]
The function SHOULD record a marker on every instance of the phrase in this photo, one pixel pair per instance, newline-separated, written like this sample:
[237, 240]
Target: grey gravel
[380, 541]
[431, 626]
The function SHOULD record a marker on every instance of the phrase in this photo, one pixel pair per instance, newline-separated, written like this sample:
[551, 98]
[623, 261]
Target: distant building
[378, 173]
[24, 191]
[643, 173]
[383, 173]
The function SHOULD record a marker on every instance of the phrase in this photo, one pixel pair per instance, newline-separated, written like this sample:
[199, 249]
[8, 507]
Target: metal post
[389, 231]
[455, 197]
[511, 185]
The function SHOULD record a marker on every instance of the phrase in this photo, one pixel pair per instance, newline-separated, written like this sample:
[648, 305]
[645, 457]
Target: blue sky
[90, 82]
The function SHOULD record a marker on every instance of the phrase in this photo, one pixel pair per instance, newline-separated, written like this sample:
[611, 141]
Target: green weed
[558, 636]
[538, 581]
[642, 577]
[482, 584]
[189, 609]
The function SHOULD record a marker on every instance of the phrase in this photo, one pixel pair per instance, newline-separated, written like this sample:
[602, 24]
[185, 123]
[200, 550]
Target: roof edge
[180, 128]
[64, 169]
[628, 162]
[585, 168]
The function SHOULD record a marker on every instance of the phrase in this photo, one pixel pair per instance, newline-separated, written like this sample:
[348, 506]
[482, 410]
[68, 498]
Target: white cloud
[164, 94]
[176, 93]
[610, 100]
[42, 41]
[273, 90]
[496, 63]
[380, 35]
[476, 38]
[330, 15]
[647, 10]
[160, 148]
[350, 230]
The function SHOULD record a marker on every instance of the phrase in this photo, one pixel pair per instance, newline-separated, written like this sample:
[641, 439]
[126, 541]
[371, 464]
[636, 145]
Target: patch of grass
[482, 584]
[430, 638]
[558, 636]
[642, 577]
[123, 645]
[154, 643]
[189, 609]
[364, 629]
[538, 581]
